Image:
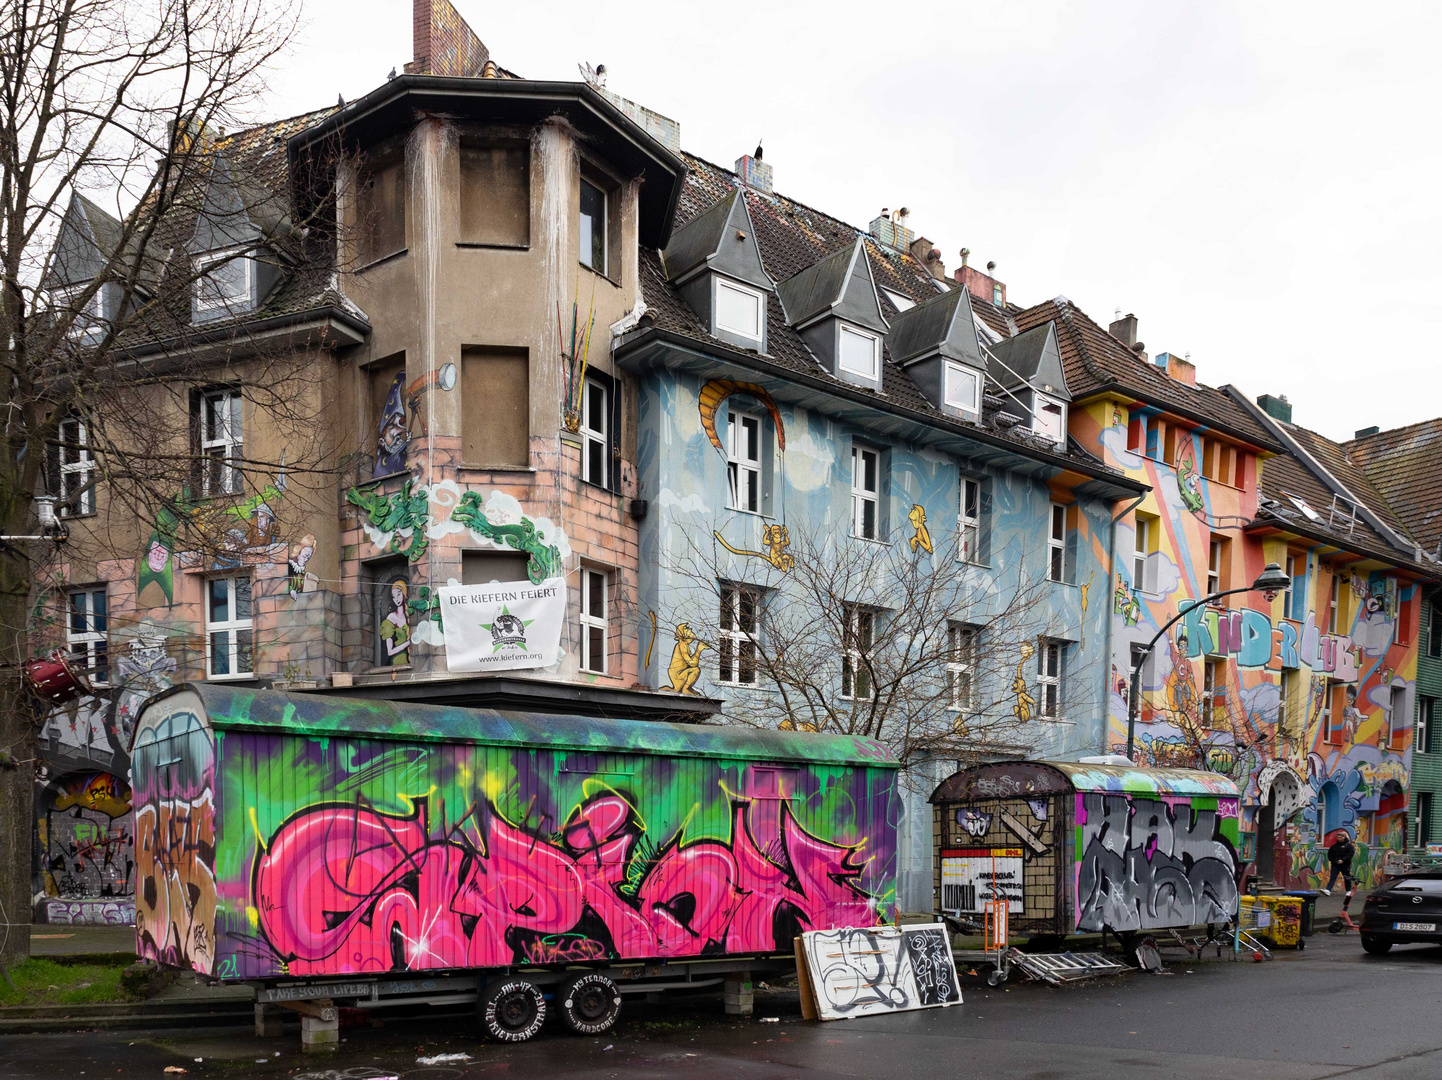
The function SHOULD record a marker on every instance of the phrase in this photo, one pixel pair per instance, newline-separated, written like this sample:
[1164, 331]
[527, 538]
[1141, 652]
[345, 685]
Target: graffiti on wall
[86, 835]
[1154, 863]
[86, 912]
[718, 390]
[775, 539]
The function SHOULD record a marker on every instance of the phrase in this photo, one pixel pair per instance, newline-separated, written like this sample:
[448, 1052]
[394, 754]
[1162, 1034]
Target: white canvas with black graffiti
[881, 969]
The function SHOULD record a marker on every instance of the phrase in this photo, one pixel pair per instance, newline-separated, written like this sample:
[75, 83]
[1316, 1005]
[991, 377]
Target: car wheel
[1375, 946]
[513, 1010]
[589, 1003]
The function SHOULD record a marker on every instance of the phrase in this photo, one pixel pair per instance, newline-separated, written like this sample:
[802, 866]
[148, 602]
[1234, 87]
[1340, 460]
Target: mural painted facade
[1305, 698]
[265, 851]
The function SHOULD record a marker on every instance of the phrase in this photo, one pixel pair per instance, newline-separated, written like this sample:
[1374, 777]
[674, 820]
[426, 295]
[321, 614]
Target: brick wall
[443, 43]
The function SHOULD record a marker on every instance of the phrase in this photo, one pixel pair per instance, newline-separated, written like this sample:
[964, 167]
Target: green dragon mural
[545, 559]
[394, 514]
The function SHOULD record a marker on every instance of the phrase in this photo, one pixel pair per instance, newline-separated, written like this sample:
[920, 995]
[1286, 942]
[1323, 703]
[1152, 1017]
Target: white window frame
[861, 495]
[1426, 712]
[232, 628]
[754, 295]
[1396, 709]
[591, 436]
[1214, 565]
[1288, 592]
[223, 442]
[1324, 717]
[1041, 401]
[1141, 548]
[605, 221]
[591, 621]
[88, 643]
[962, 640]
[1423, 831]
[1210, 670]
[207, 300]
[1049, 660]
[78, 474]
[1284, 694]
[901, 303]
[1056, 542]
[1335, 603]
[857, 646]
[961, 371]
[743, 470]
[85, 319]
[872, 372]
[737, 641]
[968, 525]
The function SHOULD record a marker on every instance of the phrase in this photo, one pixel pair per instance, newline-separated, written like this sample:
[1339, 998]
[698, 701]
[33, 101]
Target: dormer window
[593, 227]
[858, 351]
[1049, 419]
[84, 318]
[739, 310]
[963, 388]
[223, 283]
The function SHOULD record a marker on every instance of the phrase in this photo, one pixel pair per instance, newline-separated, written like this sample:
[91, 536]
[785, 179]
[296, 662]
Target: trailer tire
[589, 1003]
[513, 1010]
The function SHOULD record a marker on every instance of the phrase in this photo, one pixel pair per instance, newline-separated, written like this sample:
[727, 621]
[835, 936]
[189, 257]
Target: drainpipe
[1111, 570]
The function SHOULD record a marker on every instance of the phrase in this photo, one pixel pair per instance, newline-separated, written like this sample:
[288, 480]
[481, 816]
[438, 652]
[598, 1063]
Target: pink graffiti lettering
[347, 888]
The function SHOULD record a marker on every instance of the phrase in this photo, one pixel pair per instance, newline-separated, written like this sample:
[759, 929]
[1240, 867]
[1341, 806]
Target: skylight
[1301, 504]
[901, 303]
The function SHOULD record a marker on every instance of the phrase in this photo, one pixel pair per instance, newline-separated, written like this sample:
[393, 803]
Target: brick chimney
[1125, 330]
[1179, 368]
[983, 286]
[443, 43]
[755, 173]
[929, 255]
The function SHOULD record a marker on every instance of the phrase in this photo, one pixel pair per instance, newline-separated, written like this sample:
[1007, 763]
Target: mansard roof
[839, 284]
[87, 239]
[1031, 358]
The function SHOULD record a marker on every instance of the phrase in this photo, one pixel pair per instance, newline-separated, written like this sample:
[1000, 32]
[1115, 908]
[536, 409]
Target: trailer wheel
[513, 1010]
[589, 1003]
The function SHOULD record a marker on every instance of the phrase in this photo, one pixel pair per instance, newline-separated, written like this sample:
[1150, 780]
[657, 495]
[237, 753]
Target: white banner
[503, 625]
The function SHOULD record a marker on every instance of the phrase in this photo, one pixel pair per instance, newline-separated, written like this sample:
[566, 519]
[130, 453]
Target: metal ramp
[1058, 968]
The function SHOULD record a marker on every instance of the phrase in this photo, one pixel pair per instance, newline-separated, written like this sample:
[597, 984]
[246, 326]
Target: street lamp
[51, 527]
[1269, 583]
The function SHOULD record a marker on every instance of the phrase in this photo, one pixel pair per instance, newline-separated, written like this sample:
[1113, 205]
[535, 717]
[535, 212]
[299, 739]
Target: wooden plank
[803, 983]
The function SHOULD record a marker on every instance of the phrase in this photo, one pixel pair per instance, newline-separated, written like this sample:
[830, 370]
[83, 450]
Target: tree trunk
[17, 769]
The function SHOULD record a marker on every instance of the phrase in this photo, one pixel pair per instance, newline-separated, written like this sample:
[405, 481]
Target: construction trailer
[1078, 848]
[338, 852]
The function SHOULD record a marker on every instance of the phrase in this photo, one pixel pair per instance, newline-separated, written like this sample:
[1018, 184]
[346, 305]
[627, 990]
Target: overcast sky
[1257, 181]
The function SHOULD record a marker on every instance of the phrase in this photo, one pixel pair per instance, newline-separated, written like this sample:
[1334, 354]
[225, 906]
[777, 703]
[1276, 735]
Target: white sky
[1256, 181]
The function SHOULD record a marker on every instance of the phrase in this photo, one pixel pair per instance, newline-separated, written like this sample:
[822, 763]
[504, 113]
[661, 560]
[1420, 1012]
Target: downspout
[1111, 570]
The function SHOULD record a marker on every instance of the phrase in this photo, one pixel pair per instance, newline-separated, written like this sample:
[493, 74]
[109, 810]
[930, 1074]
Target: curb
[21, 1019]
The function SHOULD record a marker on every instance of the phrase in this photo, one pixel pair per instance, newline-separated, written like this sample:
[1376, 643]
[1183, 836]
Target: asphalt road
[1328, 1011]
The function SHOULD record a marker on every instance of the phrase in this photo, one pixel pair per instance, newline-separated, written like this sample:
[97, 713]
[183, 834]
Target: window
[593, 621]
[963, 388]
[85, 634]
[496, 407]
[901, 303]
[593, 227]
[1140, 659]
[997, 295]
[1396, 713]
[83, 318]
[1137, 433]
[1422, 736]
[1056, 544]
[1334, 603]
[1284, 699]
[740, 624]
[381, 210]
[228, 636]
[858, 351]
[1424, 818]
[857, 638]
[220, 443]
[743, 461]
[77, 469]
[1049, 419]
[495, 194]
[1332, 723]
[1434, 629]
[596, 433]
[1048, 679]
[1214, 694]
[1139, 556]
[484, 567]
[961, 643]
[390, 594]
[968, 521]
[738, 309]
[865, 466]
[1289, 597]
[223, 282]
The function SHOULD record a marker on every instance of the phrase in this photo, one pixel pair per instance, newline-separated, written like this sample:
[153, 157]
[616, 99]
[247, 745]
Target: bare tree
[902, 642]
[128, 100]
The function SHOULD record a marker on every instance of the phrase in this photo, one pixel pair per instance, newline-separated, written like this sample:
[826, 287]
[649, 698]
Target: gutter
[1111, 572]
[232, 331]
[637, 339]
[1165, 406]
[1345, 543]
[1322, 473]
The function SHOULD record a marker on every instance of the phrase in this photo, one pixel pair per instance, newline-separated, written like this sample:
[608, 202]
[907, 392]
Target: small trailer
[1077, 848]
[338, 852]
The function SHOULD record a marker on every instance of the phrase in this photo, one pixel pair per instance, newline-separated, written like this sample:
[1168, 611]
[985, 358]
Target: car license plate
[1415, 927]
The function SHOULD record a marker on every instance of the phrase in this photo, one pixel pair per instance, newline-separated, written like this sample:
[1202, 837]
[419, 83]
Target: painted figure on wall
[920, 536]
[1025, 700]
[685, 667]
[300, 580]
[395, 630]
[393, 434]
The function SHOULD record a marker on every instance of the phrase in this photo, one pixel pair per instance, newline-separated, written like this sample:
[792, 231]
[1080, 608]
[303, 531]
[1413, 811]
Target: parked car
[1406, 909]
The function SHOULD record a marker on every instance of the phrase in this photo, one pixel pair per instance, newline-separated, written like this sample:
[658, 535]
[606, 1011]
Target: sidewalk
[58, 939]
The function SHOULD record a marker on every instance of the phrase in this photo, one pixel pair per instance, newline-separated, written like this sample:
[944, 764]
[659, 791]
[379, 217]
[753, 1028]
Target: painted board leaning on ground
[1077, 848]
[297, 835]
[864, 971]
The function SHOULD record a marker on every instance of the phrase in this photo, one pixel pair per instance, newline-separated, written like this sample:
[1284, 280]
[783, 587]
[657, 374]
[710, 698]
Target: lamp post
[1270, 581]
[51, 527]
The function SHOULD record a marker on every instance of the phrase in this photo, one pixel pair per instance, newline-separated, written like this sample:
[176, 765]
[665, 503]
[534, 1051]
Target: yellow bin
[1277, 919]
